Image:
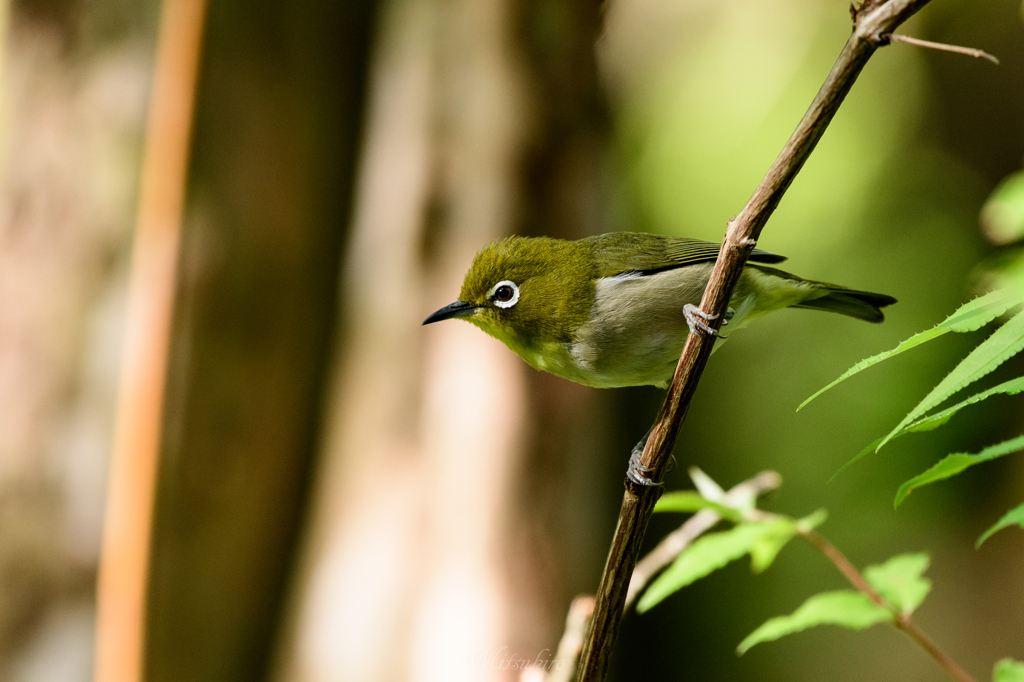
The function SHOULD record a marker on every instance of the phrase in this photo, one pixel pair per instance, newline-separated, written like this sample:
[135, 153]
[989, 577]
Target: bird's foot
[637, 472]
[697, 319]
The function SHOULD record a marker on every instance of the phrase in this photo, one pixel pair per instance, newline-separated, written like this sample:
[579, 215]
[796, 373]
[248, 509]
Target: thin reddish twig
[901, 621]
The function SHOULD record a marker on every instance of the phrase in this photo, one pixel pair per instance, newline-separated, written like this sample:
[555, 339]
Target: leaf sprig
[1005, 342]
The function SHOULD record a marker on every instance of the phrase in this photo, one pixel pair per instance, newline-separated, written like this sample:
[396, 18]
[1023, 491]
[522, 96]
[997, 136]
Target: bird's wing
[643, 253]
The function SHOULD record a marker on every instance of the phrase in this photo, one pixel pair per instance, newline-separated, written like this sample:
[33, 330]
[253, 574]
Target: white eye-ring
[505, 294]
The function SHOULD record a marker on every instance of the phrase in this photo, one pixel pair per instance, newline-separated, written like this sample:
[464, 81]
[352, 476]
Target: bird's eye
[505, 294]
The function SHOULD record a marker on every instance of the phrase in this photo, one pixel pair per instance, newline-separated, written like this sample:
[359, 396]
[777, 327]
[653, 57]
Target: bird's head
[526, 291]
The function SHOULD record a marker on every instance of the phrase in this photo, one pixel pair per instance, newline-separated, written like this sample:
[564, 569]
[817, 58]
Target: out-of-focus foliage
[761, 538]
[888, 592]
[74, 78]
[1002, 217]
[708, 554]
[690, 501]
[1008, 670]
[846, 608]
[899, 582]
[1013, 517]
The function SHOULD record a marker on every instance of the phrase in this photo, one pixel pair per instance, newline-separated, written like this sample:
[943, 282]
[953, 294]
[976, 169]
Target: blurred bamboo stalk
[124, 562]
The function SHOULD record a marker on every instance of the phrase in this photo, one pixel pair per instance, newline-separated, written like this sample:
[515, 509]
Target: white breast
[637, 329]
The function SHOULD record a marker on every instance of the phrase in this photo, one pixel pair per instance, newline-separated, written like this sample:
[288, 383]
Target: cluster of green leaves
[1008, 670]
[900, 588]
[898, 583]
[759, 534]
[762, 539]
[1002, 220]
[897, 586]
[1004, 343]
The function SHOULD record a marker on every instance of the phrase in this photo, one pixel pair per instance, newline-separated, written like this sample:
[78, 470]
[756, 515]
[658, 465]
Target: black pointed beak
[457, 309]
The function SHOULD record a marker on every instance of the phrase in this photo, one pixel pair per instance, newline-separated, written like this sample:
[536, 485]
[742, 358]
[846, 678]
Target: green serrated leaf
[1008, 670]
[688, 501]
[704, 556]
[1013, 517]
[843, 607]
[1002, 216]
[975, 314]
[913, 341]
[951, 465]
[900, 582]
[934, 421]
[1004, 343]
[969, 317]
[872, 447]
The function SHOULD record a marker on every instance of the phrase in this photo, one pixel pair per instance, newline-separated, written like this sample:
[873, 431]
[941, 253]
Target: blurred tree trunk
[430, 547]
[559, 525]
[277, 131]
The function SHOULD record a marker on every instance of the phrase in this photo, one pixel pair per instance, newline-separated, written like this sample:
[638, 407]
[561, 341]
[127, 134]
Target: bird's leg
[637, 472]
[696, 320]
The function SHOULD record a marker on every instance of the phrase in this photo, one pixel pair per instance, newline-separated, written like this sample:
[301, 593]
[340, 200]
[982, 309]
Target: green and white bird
[615, 309]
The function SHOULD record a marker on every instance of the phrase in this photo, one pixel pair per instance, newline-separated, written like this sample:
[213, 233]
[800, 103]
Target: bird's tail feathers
[863, 305]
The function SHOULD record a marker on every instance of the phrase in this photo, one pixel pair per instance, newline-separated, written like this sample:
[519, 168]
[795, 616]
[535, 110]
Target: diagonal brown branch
[872, 23]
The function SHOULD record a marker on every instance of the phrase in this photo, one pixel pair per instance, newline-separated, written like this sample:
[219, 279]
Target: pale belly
[564, 360]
